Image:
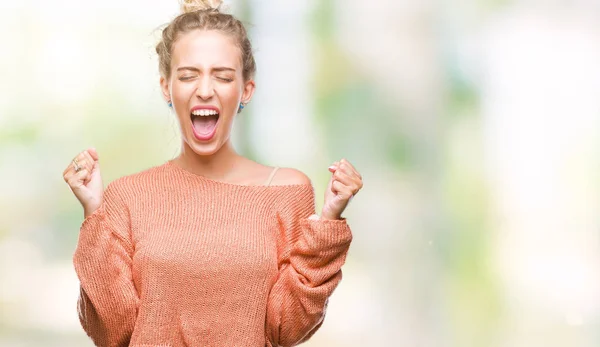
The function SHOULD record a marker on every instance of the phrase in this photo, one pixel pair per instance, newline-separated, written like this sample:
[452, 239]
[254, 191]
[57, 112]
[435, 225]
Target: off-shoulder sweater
[171, 258]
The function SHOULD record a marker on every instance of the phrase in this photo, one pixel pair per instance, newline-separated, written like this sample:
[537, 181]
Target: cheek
[180, 92]
[230, 96]
[180, 102]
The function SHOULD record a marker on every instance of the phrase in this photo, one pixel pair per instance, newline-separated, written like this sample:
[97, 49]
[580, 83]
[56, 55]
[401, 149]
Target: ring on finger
[76, 165]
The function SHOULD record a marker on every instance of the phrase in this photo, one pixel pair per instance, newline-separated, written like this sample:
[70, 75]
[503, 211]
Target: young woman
[209, 248]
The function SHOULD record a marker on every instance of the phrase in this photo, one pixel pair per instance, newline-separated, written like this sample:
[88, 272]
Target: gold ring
[76, 165]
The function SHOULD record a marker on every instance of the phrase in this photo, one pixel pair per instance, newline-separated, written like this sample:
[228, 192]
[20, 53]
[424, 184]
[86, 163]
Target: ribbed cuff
[328, 231]
[98, 213]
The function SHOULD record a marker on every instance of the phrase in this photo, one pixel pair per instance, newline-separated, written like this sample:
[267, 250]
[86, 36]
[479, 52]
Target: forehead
[205, 48]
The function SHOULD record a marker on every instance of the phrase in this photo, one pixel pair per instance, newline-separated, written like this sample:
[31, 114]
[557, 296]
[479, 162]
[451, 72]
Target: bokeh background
[474, 123]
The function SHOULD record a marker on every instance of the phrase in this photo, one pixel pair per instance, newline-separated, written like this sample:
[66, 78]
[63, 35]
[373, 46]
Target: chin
[204, 149]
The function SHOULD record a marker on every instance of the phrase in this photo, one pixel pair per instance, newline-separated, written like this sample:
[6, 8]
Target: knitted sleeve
[310, 256]
[108, 300]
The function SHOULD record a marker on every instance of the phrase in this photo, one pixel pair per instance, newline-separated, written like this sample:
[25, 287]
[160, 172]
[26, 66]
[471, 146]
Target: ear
[164, 86]
[249, 87]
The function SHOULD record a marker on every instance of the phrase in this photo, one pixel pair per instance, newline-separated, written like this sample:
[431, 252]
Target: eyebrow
[219, 68]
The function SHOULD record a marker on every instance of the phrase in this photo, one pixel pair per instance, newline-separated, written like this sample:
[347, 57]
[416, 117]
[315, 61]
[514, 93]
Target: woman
[209, 248]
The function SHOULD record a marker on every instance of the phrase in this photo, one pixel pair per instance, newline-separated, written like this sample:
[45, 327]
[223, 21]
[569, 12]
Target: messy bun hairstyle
[204, 15]
[188, 6]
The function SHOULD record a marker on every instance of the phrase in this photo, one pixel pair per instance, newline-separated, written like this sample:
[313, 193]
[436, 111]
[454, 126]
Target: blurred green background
[474, 124]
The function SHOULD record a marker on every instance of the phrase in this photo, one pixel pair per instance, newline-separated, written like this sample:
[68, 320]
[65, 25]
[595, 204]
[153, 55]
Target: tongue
[204, 125]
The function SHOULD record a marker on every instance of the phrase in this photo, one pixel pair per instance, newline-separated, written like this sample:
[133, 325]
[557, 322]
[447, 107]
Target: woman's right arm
[108, 300]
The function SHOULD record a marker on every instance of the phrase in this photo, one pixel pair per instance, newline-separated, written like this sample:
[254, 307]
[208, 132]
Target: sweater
[171, 258]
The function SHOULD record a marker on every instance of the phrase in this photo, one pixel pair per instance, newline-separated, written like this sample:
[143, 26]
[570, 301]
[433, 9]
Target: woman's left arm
[311, 254]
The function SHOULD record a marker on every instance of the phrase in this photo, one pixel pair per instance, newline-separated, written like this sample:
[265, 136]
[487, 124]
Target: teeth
[204, 112]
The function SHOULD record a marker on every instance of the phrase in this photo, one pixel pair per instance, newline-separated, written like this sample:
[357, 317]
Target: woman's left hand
[345, 182]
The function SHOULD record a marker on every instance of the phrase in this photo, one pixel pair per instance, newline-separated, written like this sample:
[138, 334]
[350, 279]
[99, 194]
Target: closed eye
[186, 78]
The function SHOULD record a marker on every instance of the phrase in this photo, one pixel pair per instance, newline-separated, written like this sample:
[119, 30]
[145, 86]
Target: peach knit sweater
[174, 259]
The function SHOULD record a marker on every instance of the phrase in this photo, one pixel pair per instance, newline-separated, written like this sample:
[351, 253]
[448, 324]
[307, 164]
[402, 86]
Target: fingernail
[332, 167]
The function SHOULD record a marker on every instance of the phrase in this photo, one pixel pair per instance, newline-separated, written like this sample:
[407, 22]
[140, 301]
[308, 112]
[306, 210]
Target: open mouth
[204, 122]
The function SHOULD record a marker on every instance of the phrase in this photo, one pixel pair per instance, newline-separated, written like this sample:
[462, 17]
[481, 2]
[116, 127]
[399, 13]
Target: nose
[205, 88]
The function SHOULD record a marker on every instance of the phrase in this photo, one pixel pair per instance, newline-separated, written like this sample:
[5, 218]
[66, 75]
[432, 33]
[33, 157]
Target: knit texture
[174, 259]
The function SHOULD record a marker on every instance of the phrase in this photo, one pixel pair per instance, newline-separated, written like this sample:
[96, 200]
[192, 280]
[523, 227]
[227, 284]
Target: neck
[217, 166]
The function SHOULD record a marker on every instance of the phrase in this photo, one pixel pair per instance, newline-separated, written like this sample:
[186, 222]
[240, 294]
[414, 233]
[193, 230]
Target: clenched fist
[345, 182]
[86, 182]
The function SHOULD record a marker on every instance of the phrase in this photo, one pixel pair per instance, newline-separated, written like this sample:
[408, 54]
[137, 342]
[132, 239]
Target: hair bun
[199, 5]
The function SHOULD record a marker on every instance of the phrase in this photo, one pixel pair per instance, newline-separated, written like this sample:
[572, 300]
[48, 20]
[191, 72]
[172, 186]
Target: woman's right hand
[86, 184]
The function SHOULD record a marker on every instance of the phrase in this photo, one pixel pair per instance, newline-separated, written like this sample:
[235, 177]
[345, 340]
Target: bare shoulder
[289, 176]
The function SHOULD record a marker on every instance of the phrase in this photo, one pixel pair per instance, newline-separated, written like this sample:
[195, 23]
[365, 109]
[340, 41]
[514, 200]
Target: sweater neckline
[187, 173]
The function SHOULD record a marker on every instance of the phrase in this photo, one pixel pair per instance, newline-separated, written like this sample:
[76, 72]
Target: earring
[241, 107]
[170, 104]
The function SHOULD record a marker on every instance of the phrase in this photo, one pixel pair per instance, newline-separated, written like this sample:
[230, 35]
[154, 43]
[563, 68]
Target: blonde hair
[204, 15]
